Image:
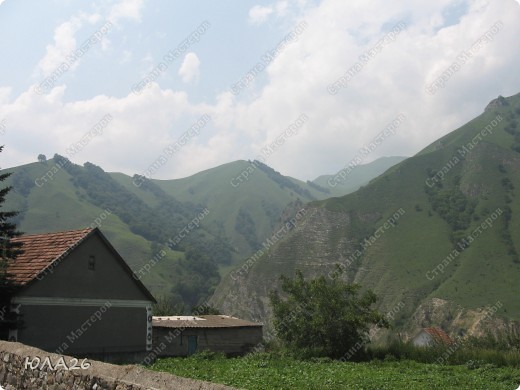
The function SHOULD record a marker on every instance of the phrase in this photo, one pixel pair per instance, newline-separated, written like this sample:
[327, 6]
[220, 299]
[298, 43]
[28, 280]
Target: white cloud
[295, 83]
[141, 127]
[63, 45]
[281, 7]
[64, 40]
[189, 70]
[392, 82]
[259, 14]
[126, 9]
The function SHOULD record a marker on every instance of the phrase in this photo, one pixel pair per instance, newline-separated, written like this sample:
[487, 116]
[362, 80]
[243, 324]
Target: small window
[92, 262]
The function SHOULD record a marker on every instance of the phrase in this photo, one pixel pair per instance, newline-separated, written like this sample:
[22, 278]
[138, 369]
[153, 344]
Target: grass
[472, 352]
[270, 371]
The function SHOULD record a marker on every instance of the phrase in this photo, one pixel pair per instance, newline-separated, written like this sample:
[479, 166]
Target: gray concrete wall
[85, 329]
[231, 341]
[15, 374]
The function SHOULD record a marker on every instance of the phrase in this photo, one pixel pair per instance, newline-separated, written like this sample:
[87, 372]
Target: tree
[195, 278]
[324, 316]
[9, 251]
[42, 158]
[204, 309]
[166, 306]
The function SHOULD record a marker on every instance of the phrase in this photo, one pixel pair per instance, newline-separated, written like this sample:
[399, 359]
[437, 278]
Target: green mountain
[351, 178]
[181, 235]
[245, 200]
[437, 237]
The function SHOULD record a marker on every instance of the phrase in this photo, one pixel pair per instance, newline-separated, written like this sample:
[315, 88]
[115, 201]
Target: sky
[168, 88]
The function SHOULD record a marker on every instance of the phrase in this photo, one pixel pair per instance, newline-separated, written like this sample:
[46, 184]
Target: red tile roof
[439, 336]
[40, 251]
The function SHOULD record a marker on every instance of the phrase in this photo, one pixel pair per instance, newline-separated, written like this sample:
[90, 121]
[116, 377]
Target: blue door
[192, 345]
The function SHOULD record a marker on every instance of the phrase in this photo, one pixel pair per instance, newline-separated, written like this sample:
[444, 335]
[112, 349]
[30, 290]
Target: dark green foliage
[512, 128]
[197, 275]
[201, 310]
[499, 349]
[453, 206]
[22, 182]
[166, 306]
[245, 226]
[508, 213]
[505, 340]
[459, 354]
[195, 278]
[318, 187]
[325, 316]
[283, 181]
[271, 210]
[506, 183]
[157, 224]
[506, 234]
[8, 252]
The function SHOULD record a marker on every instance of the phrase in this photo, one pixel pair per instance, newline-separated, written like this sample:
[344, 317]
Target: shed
[77, 296]
[185, 335]
[428, 337]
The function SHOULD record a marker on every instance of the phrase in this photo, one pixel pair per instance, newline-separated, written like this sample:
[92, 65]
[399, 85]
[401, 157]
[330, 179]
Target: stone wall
[19, 369]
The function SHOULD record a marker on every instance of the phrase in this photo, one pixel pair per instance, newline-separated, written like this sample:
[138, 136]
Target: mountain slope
[48, 200]
[237, 206]
[243, 209]
[358, 176]
[414, 234]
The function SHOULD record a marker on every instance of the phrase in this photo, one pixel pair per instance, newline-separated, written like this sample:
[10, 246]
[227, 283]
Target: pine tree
[9, 251]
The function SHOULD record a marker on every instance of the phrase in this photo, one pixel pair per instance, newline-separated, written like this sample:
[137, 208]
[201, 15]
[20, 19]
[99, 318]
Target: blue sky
[419, 42]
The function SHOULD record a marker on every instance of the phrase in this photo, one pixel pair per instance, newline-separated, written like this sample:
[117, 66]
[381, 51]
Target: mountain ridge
[461, 195]
[143, 220]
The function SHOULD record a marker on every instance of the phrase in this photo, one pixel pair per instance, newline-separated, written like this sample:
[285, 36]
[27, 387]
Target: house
[77, 296]
[185, 335]
[429, 337]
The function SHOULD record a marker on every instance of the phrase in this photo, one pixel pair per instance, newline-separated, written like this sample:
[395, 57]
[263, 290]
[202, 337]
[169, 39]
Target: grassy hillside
[486, 175]
[245, 198]
[240, 204]
[56, 204]
[357, 177]
[243, 210]
[398, 235]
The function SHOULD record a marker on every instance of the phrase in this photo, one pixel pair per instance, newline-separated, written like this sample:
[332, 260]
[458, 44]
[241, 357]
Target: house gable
[92, 269]
[77, 295]
[431, 337]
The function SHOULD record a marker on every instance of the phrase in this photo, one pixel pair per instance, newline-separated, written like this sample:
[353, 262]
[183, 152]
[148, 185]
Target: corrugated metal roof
[205, 321]
[40, 251]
